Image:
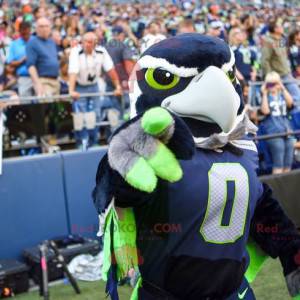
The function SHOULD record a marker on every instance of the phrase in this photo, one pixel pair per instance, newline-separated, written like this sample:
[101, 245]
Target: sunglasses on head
[271, 84]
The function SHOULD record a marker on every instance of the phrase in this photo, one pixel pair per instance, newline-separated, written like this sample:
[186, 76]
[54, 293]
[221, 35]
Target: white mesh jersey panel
[218, 176]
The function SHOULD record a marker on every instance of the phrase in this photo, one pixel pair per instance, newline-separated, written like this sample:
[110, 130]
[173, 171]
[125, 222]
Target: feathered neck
[216, 141]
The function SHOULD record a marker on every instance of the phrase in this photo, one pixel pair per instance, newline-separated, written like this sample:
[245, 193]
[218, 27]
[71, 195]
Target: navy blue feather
[112, 284]
[182, 143]
[192, 50]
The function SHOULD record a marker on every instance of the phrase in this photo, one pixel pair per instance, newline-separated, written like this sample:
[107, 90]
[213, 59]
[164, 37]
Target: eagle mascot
[177, 192]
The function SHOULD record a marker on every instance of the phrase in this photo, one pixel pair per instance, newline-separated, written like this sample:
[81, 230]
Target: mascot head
[193, 76]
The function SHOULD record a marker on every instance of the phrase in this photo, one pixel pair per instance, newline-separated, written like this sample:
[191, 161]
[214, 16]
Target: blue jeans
[114, 105]
[84, 105]
[112, 101]
[282, 152]
[293, 88]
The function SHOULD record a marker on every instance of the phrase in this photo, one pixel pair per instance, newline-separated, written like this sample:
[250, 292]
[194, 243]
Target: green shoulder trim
[257, 259]
[135, 295]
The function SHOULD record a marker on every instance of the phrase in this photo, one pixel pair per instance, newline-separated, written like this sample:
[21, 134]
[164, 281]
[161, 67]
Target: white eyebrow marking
[154, 62]
[228, 66]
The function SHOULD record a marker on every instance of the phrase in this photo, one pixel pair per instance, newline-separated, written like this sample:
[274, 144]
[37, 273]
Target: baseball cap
[215, 24]
[73, 12]
[97, 12]
[27, 9]
[117, 30]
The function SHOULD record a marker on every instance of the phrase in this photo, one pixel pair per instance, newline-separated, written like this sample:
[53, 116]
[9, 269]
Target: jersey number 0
[219, 175]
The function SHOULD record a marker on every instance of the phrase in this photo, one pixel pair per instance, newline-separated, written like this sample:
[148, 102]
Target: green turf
[89, 291]
[269, 285]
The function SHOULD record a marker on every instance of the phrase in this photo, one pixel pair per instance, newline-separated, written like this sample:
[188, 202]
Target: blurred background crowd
[83, 48]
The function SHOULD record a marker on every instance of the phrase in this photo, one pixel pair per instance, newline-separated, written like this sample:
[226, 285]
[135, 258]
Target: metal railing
[283, 81]
[16, 100]
[254, 84]
[276, 135]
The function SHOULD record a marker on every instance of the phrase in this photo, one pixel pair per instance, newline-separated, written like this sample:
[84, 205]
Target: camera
[91, 77]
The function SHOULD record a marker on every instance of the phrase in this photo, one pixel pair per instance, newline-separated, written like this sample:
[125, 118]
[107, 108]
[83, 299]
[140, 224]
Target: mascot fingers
[171, 130]
[139, 155]
[159, 123]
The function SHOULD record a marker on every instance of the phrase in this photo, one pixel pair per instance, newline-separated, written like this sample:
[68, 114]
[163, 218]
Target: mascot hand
[293, 283]
[138, 151]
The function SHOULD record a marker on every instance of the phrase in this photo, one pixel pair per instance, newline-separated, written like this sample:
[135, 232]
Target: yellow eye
[231, 75]
[161, 79]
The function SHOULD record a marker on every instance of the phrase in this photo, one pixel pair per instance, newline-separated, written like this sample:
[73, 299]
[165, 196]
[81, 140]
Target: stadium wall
[46, 196]
[286, 188]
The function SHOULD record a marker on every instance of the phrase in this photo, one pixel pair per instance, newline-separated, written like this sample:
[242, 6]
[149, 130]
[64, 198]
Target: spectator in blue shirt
[215, 28]
[294, 52]
[275, 102]
[17, 60]
[42, 60]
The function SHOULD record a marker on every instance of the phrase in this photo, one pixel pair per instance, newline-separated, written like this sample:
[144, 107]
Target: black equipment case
[69, 247]
[13, 277]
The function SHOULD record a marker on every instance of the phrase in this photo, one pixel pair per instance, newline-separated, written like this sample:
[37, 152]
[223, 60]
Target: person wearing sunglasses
[276, 100]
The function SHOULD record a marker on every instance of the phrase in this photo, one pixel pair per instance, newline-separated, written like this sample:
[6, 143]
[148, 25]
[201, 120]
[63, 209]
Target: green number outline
[224, 205]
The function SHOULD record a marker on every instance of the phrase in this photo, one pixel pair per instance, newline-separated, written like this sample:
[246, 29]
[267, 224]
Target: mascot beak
[209, 97]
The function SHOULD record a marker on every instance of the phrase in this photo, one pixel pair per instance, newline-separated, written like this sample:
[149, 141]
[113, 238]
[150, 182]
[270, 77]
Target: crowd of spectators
[77, 47]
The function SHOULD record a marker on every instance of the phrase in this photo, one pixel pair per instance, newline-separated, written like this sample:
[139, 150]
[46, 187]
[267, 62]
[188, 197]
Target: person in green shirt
[275, 58]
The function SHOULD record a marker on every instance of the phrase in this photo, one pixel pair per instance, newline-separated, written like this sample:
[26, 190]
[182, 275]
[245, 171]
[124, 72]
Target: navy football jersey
[193, 233]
